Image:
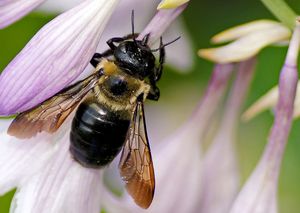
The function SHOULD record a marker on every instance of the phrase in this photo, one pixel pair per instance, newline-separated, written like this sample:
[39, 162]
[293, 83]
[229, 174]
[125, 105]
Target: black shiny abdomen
[97, 134]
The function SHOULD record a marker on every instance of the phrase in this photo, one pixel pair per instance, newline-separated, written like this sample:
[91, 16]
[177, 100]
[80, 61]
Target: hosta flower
[246, 41]
[220, 174]
[42, 168]
[260, 191]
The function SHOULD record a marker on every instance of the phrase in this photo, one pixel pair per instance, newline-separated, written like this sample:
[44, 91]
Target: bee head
[135, 58]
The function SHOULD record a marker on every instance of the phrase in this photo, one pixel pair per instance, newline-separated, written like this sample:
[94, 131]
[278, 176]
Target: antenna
[132, 25]
[166, 44]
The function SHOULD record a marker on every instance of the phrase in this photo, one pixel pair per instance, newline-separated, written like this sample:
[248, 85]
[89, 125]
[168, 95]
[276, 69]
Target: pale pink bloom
[220, 174]
[20, 158]
[259, 195]
[60, 185]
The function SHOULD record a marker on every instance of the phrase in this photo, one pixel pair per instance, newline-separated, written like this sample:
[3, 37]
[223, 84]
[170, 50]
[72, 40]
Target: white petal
[112, 178]
[113, 204]
[4, 123]
[21, 158]
[179, 156]
[243, 30]
[13, 10]
[297, 103]
[259, 193]
[63, 185]
[268, 101]
[58, 5]
[220, 180]
[246, 46]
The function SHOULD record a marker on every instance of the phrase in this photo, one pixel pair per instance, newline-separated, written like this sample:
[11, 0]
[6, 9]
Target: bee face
[135, 58]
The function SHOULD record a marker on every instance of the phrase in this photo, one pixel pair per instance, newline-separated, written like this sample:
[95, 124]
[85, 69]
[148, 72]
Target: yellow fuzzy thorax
[116, 103]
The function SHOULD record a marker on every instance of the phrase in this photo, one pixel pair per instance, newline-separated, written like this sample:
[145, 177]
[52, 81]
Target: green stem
[282, 11]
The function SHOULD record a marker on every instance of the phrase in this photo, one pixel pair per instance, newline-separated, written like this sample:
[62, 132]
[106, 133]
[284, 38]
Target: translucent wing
[50, 114]
[136, 166]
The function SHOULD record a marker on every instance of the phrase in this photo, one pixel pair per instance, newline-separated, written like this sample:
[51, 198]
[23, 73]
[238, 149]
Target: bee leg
[154, 93]
[111, 41]
[146, 39]
[162, 56]
[98, 56]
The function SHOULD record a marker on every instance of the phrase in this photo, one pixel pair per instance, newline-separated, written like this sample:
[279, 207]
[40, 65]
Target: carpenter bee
[110, 113]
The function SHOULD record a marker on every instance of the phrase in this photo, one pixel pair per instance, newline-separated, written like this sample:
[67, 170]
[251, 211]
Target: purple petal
[213, 94]
[13, 10]
[260, 191]
[160, 22]
[54, 57]
[220, 180]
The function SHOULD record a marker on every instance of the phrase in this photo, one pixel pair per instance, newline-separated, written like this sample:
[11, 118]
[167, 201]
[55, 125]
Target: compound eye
[117, 85]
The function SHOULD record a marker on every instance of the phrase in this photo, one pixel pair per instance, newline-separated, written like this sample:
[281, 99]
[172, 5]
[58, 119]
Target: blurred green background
[204, 19]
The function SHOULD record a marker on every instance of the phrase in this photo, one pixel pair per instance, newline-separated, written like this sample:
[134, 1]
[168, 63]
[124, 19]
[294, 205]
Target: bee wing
[136, 166]
[50, 114]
